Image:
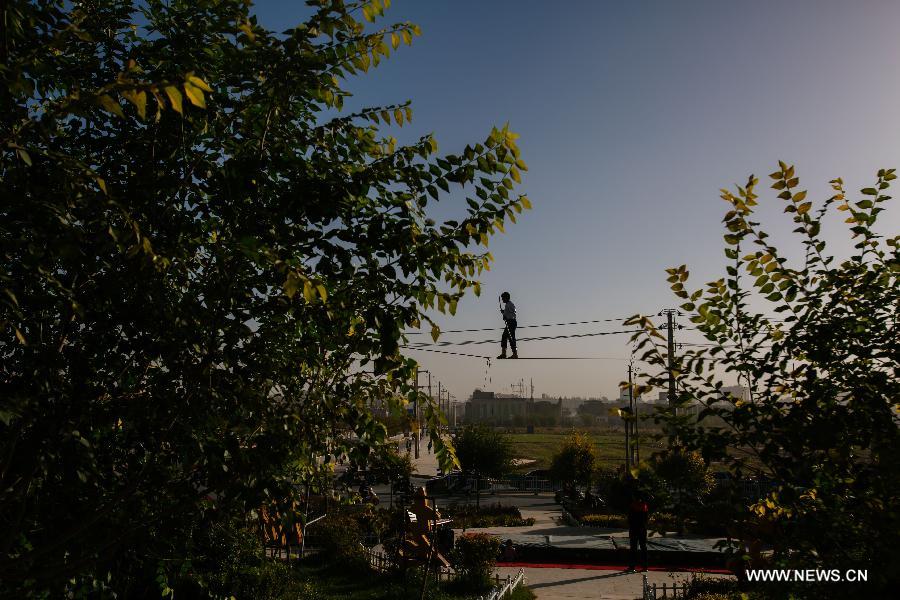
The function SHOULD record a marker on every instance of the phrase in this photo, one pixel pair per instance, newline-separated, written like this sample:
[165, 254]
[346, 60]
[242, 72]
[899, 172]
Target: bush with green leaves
[684, 484]
[474, 557]
[491, 515]
[483, 450]
[604, 520]
[815, 341]
[575, 462]
[207, 271]
[340, 537]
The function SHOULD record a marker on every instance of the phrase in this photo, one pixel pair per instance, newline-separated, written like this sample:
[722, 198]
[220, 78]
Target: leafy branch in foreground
[200, 304]
[822, 416]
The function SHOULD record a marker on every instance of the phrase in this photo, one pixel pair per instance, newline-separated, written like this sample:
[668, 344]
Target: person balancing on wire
[508, 310]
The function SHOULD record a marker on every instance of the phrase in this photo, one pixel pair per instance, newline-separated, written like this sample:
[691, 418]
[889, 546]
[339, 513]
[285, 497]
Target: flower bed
[489, 515]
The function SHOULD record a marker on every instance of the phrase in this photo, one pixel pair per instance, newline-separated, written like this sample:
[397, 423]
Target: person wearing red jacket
[638, 513]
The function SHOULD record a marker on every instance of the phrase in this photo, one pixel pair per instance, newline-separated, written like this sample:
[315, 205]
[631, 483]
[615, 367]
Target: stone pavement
[559, 584]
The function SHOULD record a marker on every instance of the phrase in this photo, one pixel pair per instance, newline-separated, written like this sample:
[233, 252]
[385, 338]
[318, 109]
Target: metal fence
[457, 484]
[382, 563]
[503, 587]
[654, 591]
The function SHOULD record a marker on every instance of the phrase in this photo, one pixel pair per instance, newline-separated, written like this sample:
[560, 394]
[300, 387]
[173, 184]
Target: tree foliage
[821, 419]
[576, 460]
[483, 451]
[207, 270]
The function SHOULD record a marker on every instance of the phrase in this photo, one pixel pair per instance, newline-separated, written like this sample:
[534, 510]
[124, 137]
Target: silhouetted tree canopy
[207, 267]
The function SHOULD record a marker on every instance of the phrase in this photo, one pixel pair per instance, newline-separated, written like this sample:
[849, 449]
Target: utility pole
[416, 409]
[670, 326]
[418, 422]
[635, 440]
[446, 408]
[440, 395]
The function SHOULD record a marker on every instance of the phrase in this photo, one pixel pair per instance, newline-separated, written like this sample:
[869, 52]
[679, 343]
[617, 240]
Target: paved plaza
[578, 582]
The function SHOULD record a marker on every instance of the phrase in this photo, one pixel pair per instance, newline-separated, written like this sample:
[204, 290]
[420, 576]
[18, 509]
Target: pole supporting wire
[529, 339]
[514, 359]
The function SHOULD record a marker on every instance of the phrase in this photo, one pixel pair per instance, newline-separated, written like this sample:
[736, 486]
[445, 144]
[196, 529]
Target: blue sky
[632, 115]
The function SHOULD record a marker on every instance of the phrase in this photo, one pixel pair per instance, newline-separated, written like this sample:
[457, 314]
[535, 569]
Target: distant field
[542, 446]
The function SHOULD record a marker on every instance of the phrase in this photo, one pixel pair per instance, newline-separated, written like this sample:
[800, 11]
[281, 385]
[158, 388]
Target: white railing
[503, 587]
[654, 591]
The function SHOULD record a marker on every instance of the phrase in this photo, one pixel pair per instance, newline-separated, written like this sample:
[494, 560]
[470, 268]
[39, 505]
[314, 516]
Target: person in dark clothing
[638, 512]
[509, 331]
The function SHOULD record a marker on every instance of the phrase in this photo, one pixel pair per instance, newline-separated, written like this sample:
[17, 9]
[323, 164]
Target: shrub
[610, 521]
[576, 461]
[341, 536]
[494, 515]
[662, 522]
[474, 558]
[233, 565]
[705, 588]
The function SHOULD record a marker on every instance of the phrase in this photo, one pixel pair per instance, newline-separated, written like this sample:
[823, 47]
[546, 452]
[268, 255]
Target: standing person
[638, 512]
[509, 331]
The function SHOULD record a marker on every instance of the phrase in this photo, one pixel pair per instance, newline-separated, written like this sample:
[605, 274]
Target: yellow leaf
[526, 202]
[309, 291]
[435, 332]
[20, 337]
[804, 208]
[514, 173]
[102, 185]
[245, 27]
[395, 40]
[197, 82]
[26, 158]
[111, 105]
[195, 95]
[139, 99]
[174, 97]
[398, 116]
[291, 285]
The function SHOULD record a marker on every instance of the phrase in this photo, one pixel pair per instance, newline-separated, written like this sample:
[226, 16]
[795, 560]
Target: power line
[520, 358]
[617, 320]
[531, 339]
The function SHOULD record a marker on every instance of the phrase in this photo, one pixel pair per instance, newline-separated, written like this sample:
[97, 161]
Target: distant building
[508, 409]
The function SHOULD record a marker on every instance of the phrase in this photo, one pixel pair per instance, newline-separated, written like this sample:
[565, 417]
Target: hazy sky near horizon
[632, 115]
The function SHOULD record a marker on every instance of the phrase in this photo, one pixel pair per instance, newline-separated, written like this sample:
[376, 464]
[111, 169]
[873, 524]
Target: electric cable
[520, 358]
[523, 326]
[530, 339]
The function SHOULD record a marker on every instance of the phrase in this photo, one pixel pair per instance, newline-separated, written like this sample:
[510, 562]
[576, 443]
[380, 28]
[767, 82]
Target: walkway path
[558, 584]
[562, 583]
